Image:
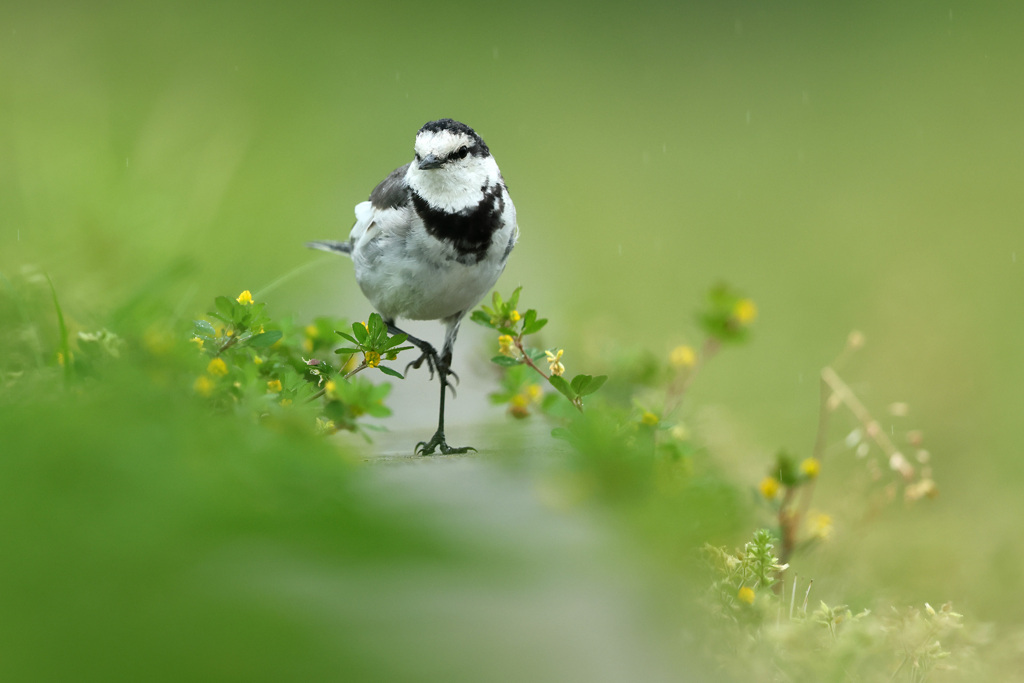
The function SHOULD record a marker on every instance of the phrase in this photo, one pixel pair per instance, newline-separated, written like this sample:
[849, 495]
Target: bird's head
[452, 163]
[448, 143]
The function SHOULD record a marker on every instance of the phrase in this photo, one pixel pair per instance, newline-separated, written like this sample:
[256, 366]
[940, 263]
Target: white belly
[421, 279]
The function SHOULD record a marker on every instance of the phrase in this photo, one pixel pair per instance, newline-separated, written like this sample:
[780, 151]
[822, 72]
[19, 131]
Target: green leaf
[203, 328]
[505, 361]
[535, 326]
[360, 333]
[347, 350]
[388, 371]
[498, 301]
[395, 341]
[223, 305]
[481, 318]
[562, 386]
[579, 383]
[514, 301]
[530, 322]
[265, 339]
[377, 410]
[377, 331]
[346, 336]
[594, 384]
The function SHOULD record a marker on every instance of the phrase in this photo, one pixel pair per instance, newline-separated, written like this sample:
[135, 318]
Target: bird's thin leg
[444, 362]
[427, 352]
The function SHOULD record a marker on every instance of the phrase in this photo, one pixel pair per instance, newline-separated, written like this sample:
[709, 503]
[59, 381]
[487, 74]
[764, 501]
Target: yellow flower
[819, 525]
[514, 316]
[744, 312]
[203, 386]
[325, 426]
[924, 488]
[535, 392]
[372, 358]
[257, 360]
[307, 345]
[274, 386]
[217, 367]
[312, 331]
[810, 467]
[329, 389]
[197, 341]
[683, 356]
[746, 594]
[285, 402]
[649, 418]
[518, 406]
[553, 362]
[505, 344]
[769, 487]
[245, 298]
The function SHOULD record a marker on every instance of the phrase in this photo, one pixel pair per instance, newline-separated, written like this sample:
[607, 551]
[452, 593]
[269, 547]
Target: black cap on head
[479, 149]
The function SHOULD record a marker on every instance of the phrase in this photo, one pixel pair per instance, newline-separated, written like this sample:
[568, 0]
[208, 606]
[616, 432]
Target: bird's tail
[334, 247]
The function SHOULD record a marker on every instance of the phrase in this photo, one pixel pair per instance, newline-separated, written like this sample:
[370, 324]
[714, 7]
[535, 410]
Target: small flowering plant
[740, 576]
[267, 368]
[728, 315]
[244, 323]
[504, 317]
[372, 340]
[788, 486]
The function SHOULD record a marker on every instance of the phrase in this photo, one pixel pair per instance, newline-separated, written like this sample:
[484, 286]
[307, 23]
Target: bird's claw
[434, 363]
[437, 442]
[430, 357]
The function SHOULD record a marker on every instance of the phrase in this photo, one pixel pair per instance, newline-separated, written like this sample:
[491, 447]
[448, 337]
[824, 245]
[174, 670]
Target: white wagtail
[432, 240]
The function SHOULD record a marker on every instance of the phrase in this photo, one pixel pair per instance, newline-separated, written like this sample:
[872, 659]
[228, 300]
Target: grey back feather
[393, 191]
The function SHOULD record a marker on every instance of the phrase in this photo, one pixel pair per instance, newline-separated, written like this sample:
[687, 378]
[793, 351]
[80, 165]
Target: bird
[431, 241]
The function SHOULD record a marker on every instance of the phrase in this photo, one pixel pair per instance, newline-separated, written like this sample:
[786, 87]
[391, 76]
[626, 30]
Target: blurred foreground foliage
[173, 512]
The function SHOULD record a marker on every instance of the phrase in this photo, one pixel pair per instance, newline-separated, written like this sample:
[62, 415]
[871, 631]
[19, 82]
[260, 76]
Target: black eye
[418, 156]
[461, 153]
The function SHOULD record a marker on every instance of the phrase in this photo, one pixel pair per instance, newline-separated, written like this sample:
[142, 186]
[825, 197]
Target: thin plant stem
[677, 390]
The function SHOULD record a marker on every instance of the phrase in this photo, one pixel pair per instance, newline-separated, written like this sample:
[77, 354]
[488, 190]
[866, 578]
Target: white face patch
[460, 182]
[441, 143]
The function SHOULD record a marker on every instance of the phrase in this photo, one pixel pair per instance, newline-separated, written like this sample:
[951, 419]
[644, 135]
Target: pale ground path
[566, 602]
[575, 606]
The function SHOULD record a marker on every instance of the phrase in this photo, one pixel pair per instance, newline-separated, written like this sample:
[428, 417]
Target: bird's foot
[429, 356]
[434, 363]
[437, 442]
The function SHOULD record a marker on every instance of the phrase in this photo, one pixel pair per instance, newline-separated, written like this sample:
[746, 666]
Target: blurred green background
[848, 166]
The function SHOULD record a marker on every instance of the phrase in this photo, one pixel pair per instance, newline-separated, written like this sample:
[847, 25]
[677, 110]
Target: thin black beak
[430, 161]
